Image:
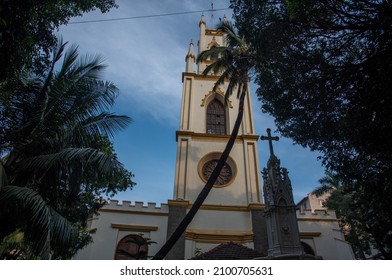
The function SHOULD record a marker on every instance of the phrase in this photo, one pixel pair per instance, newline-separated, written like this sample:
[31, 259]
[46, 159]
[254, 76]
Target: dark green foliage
[57, 159]
[27, 29]
[342, 202]
[325, 73]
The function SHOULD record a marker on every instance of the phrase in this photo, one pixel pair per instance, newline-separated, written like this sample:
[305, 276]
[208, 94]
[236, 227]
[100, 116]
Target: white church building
[234, 212]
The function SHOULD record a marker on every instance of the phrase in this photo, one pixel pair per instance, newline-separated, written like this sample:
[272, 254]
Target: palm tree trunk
[208, 186]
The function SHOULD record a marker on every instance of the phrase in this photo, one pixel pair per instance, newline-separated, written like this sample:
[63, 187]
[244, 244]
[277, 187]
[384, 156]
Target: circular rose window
[207, 165]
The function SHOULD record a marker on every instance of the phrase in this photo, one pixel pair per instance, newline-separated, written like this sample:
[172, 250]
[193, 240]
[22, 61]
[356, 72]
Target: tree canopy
[324, 70]
[341, 201]
[27, 29]
[57, 159]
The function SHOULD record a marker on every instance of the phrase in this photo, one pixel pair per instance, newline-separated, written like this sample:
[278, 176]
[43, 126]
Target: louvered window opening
[216, 120]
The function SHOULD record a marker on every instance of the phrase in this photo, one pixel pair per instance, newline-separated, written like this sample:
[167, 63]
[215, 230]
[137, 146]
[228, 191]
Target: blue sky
[145, 58]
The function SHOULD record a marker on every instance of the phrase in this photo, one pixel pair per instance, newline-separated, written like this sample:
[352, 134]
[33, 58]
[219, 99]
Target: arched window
[307, 249]
[216, 119]
[132, 247]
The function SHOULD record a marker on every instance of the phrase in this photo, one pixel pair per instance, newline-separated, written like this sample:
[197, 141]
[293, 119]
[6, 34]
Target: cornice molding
[309, 235]
[249, 137]
[311, 219]
[213, 32]
[197, 76]
[216, 207]
[236, 208]
[219, 236]
[134, 227]
[178, 203]
[256, 206]
[137, 212]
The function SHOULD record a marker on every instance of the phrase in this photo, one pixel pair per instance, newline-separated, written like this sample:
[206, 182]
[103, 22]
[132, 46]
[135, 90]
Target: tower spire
[190, 59]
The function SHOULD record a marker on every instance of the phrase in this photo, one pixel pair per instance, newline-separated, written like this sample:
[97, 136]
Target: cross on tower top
[212, 14]
[270, 138]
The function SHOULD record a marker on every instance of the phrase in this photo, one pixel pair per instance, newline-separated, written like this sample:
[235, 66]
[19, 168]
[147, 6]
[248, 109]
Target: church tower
[233, 208]
[233, 212]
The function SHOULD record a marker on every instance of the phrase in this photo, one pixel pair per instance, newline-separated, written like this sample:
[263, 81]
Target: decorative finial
[202, 21]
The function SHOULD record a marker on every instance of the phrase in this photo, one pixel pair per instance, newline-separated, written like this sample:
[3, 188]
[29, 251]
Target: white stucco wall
[116, 220]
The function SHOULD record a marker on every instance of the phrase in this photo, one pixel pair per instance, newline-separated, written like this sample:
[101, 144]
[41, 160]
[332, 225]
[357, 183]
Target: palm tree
[329, 183]
[56, 154]
[234, 63]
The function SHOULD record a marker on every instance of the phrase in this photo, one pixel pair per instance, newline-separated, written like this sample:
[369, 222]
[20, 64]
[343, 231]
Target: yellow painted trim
[217, 207]
[200, 76]
[212, 43]
[252, 171]
[134, 212]
[213, 32]
[219, 236]
[308, 235]
[256, 206]
[217, 91]
[183, 203]
[134, 227]
[179, 171]
[197, 135]
[225, 208]
[185, 111]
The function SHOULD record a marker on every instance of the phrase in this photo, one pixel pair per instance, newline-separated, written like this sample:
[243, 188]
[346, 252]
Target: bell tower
[233, 207]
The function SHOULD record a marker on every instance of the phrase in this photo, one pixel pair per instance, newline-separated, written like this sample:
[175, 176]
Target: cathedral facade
[234, 211]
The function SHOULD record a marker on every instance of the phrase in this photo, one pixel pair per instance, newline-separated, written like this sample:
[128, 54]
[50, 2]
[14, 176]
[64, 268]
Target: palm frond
[59, 50]
[42, 220]
[224, 76]
[90, 156]
[3, 176]
[68, 109]
[105, 94]
[231, 38]
[57, 124]
[42, 98]
[88, 66]
[105, 124]
[70, 57]
[60, 231]
[76, 68]
[329, 183]
[221, 65]
[206, 54]
[321, 190]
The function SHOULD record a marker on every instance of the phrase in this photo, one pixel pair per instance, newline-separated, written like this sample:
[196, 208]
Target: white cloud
[145, 57]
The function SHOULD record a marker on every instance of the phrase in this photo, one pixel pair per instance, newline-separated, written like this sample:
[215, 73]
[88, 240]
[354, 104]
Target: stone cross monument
[280, 209]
